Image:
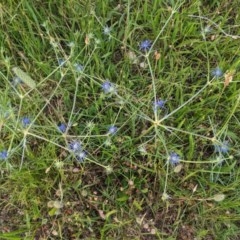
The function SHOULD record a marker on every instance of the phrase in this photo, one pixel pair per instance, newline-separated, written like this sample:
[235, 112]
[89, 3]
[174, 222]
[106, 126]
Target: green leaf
[24, 77]
[123, 198]
[107, 215]
[137, 205]
[53, 212]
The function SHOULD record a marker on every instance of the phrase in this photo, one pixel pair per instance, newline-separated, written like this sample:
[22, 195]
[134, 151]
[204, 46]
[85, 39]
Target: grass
[165, 171]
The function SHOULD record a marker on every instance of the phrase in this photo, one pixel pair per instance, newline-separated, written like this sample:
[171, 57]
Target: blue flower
[158, 104]
[62, 127]
[75, 146]
[81, 156]
[61, 62]
[112, 130]
[174, 158]
[108, 87]
[217, 72]
[222, 148]
[26, 121]
[78, 67]
[106, 30]
[145, 45]
[3, 155]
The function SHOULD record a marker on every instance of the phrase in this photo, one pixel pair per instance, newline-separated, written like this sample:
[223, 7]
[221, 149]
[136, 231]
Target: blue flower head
[174, 158]
[81, 156]
[112, 130]
[108, 87]
[78, 67]
[222, 148]
[145, 45]
[3, 155]
[217, 72]
[106, 30]
[26, 121]
[75, 146]
[158, 104]
[61, 62]
[62, 127]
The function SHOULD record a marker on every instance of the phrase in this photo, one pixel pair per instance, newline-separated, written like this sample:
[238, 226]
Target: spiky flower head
[145, 45]
[174, 158]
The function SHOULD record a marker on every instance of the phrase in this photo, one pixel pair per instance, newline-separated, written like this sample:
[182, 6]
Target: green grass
[126, 187]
